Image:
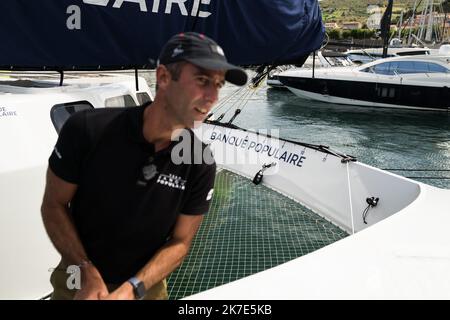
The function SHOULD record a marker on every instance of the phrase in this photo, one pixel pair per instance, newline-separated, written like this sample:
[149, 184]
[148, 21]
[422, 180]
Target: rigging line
[225, 100]
[239, 100]
[431, 178]
[243, 106]
[350, 198]
[325, 42]
[410, 21]
[260, 75]
[238, 95]
[427, 170]
[229, 102]
[252, 90]
[407, 22]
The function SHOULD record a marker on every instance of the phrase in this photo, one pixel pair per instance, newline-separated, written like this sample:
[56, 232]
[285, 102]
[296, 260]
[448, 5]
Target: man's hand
[92, 285]
[124, 292]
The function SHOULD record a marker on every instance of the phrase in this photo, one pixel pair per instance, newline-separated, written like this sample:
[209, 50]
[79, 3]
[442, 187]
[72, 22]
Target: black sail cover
[116, 34]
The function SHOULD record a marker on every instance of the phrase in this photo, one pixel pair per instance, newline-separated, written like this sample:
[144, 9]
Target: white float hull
[402, 255]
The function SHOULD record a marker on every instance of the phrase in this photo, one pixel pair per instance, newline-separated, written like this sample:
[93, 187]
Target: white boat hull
[402, 253]
[353, 102]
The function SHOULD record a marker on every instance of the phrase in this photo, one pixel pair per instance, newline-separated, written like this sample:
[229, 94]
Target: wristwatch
[138, 288]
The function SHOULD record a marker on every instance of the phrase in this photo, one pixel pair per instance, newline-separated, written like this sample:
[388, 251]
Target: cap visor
[233, 74]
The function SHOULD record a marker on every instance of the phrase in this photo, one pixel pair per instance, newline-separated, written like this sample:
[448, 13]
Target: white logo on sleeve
[210, 194]
[58, 154]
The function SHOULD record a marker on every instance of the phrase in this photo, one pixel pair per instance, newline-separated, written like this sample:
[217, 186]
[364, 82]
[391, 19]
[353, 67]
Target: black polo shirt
[128, 196]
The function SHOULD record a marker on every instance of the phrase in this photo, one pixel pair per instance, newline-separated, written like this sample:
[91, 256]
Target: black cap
[203, 52]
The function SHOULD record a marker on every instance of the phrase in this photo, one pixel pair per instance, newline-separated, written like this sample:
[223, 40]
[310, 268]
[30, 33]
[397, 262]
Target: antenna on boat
[136, 78]
[61, 77]
[314, 64]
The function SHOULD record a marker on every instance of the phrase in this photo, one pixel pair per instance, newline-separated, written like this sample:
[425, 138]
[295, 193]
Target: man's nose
[212, 93]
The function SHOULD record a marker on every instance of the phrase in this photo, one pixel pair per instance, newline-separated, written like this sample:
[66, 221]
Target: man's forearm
[166, 260]
[63, 234]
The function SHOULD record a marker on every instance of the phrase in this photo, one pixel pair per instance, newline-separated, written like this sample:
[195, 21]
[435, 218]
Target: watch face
[138, 288]
[139, 291]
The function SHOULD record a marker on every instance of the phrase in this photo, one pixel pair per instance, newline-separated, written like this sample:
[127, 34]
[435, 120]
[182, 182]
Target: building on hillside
[374, 21]
[351, 25]
[331, 25]
[372, 9]
[437, 17]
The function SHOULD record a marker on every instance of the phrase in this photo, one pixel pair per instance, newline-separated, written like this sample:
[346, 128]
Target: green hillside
[356, 10]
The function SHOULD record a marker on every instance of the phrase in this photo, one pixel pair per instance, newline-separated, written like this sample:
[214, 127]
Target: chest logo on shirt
[172, 181]
[149, 171]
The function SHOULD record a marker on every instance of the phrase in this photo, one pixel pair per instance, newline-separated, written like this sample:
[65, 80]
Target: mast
[429, 32]
[444, 33]
[411, 22]
[386, 26]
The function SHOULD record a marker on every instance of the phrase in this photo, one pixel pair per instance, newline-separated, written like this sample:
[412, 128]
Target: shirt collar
[136, 120]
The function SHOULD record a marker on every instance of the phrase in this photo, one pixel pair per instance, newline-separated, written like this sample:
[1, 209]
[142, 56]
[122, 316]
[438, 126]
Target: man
[115, 203]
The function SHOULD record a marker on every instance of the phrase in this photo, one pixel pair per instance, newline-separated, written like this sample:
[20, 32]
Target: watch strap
[138, 287]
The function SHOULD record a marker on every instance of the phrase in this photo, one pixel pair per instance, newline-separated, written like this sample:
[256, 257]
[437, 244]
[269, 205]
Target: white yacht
[323, 59]
[413, 82]
[360, 56]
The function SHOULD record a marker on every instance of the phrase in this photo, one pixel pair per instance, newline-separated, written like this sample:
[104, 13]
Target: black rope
[365, 212]
[236, 113]
[371, 203]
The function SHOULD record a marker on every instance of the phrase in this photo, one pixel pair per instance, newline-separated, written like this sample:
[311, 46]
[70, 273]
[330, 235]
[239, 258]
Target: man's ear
[163, 76]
